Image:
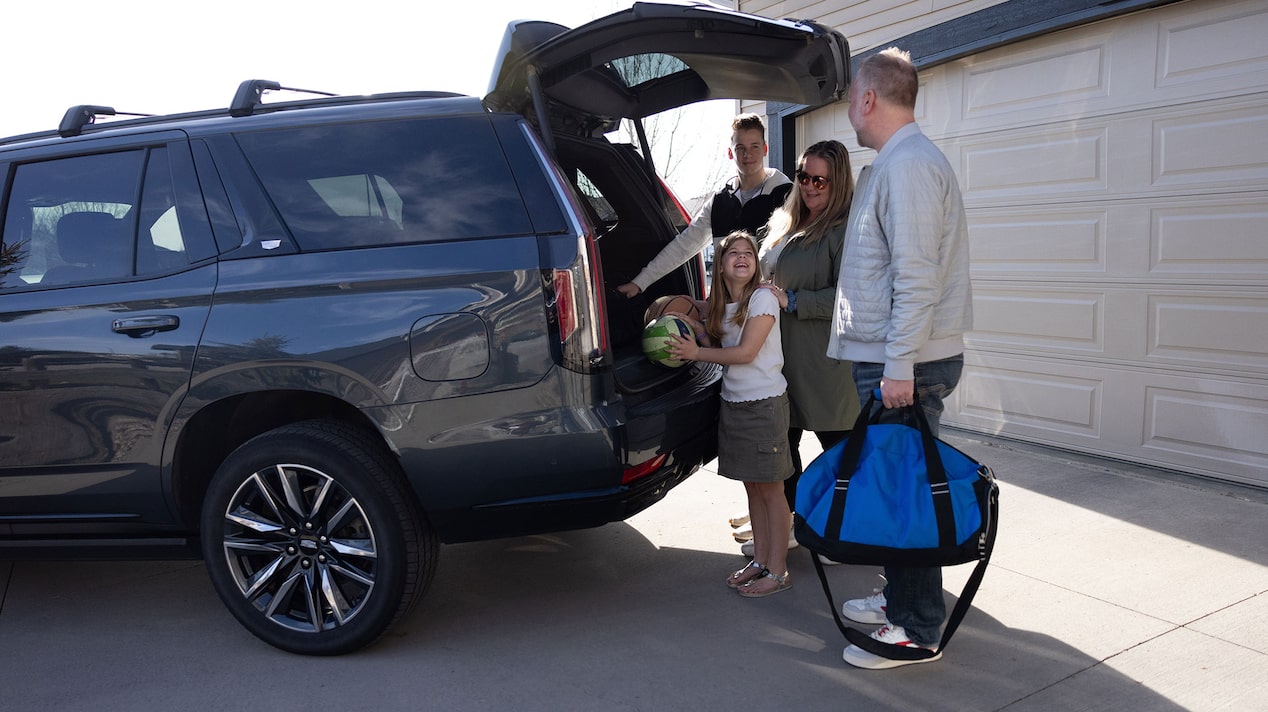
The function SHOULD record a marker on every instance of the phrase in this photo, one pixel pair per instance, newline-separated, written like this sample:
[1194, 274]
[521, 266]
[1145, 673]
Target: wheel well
[221, 427]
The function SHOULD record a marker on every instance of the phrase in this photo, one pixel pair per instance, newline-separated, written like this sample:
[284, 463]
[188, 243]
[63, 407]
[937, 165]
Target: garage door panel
[1053, 403]
[1200, 426]
[1025, 242]
[1059, 77]
[1213, 237]
[1210, 331]
[1225, 146]
[1055, 161]
[1048, 80]
[1222, 49]
[1065, 321]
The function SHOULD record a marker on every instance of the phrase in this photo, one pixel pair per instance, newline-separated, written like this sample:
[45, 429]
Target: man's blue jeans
[913, 597]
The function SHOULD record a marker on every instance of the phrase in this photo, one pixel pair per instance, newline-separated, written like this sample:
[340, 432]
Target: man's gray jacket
[903, 295]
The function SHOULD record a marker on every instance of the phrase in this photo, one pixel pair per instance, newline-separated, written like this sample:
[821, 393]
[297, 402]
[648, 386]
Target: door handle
[140, 326]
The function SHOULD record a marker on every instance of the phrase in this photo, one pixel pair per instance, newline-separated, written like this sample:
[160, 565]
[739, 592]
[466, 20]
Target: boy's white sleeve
[688, 243]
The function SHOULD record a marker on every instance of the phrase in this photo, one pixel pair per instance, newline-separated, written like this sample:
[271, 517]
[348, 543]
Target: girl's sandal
[757, 586]
[751, 571]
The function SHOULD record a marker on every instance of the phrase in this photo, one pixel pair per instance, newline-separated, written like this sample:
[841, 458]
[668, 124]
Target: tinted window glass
[161, 245]
[642, 68]
[72, 220]
[367, 184]
[603, 209]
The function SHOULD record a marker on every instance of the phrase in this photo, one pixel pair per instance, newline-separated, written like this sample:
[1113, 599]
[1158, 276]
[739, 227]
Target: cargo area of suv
[311, 340]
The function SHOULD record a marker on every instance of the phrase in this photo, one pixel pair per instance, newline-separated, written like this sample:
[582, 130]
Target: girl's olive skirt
[753, 440]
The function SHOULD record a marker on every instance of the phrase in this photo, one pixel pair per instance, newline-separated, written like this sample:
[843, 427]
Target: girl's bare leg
[758, 514]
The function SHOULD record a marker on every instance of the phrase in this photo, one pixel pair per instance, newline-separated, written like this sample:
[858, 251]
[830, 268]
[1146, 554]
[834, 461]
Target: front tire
[313, 540]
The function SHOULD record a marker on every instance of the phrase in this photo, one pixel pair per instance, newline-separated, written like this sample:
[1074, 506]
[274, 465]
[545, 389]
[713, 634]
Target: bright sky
[155, 57]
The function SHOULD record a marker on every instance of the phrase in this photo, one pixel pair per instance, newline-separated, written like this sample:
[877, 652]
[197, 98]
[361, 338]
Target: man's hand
[896, 394]
[629, 289]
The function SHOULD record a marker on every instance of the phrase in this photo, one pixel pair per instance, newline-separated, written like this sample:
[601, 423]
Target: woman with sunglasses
[802, 254]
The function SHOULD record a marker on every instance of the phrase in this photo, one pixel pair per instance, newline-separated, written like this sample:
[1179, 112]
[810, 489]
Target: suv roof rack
[250, 94]
[246, 102]
[77, 117]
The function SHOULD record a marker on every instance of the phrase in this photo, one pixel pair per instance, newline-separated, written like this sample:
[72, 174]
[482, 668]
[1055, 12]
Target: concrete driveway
[1111, 588]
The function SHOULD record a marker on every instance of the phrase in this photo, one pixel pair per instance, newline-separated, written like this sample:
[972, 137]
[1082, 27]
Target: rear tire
[313, 539]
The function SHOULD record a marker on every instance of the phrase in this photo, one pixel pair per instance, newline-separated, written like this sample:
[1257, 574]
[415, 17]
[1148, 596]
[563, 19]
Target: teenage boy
[745, 202]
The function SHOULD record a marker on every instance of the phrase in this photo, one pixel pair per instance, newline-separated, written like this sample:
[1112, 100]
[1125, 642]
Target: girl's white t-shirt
[763, 377]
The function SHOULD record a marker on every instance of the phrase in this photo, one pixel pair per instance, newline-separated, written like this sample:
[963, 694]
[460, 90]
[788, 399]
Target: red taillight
[644, 469]
[565, 304]
[579, 308]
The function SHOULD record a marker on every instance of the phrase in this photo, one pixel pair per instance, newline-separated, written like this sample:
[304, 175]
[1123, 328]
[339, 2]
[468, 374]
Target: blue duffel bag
[894, 495]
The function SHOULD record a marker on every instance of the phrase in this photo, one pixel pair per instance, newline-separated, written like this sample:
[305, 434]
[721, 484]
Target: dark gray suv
[310, 340]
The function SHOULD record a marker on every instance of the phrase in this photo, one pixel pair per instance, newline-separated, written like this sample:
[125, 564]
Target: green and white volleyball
[656, 335]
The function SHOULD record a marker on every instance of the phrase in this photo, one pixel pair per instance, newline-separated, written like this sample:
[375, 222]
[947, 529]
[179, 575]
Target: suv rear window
[365, 184]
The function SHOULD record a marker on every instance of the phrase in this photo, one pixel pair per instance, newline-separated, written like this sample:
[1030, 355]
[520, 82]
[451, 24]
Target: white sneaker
[870, 610]
[826, 561]
[894, 635]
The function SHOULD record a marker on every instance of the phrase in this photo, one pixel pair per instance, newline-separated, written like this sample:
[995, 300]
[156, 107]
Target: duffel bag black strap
[944, 513]
[975, 579]
[940, 491]
[863, 640]
[827, 591]
[850, 455]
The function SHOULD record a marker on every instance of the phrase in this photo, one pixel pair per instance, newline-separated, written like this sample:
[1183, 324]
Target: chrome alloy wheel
[300, 548]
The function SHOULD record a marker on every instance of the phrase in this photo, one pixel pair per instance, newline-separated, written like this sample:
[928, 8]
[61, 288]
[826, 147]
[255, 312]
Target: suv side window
[379, 183]
[160, 243]
[73, 220]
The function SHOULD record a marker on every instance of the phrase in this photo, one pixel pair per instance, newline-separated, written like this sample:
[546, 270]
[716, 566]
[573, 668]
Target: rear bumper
[581, 510]
[559, 468]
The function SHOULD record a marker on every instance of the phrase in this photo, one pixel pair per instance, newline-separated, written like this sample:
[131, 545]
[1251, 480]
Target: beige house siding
[1116, 179]
[867, 23]
[870, 22]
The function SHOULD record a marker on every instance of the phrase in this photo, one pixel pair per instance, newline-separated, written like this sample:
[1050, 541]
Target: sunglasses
[819, 181]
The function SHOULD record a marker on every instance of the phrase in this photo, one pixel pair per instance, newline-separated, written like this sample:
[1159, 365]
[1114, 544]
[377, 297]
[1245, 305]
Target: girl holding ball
[753, 448]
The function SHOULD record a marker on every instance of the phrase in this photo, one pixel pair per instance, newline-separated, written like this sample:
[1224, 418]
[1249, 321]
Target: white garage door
[1116, 178]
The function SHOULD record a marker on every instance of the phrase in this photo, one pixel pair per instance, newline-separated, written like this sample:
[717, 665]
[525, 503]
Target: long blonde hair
[793, 216]
[720, 295]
